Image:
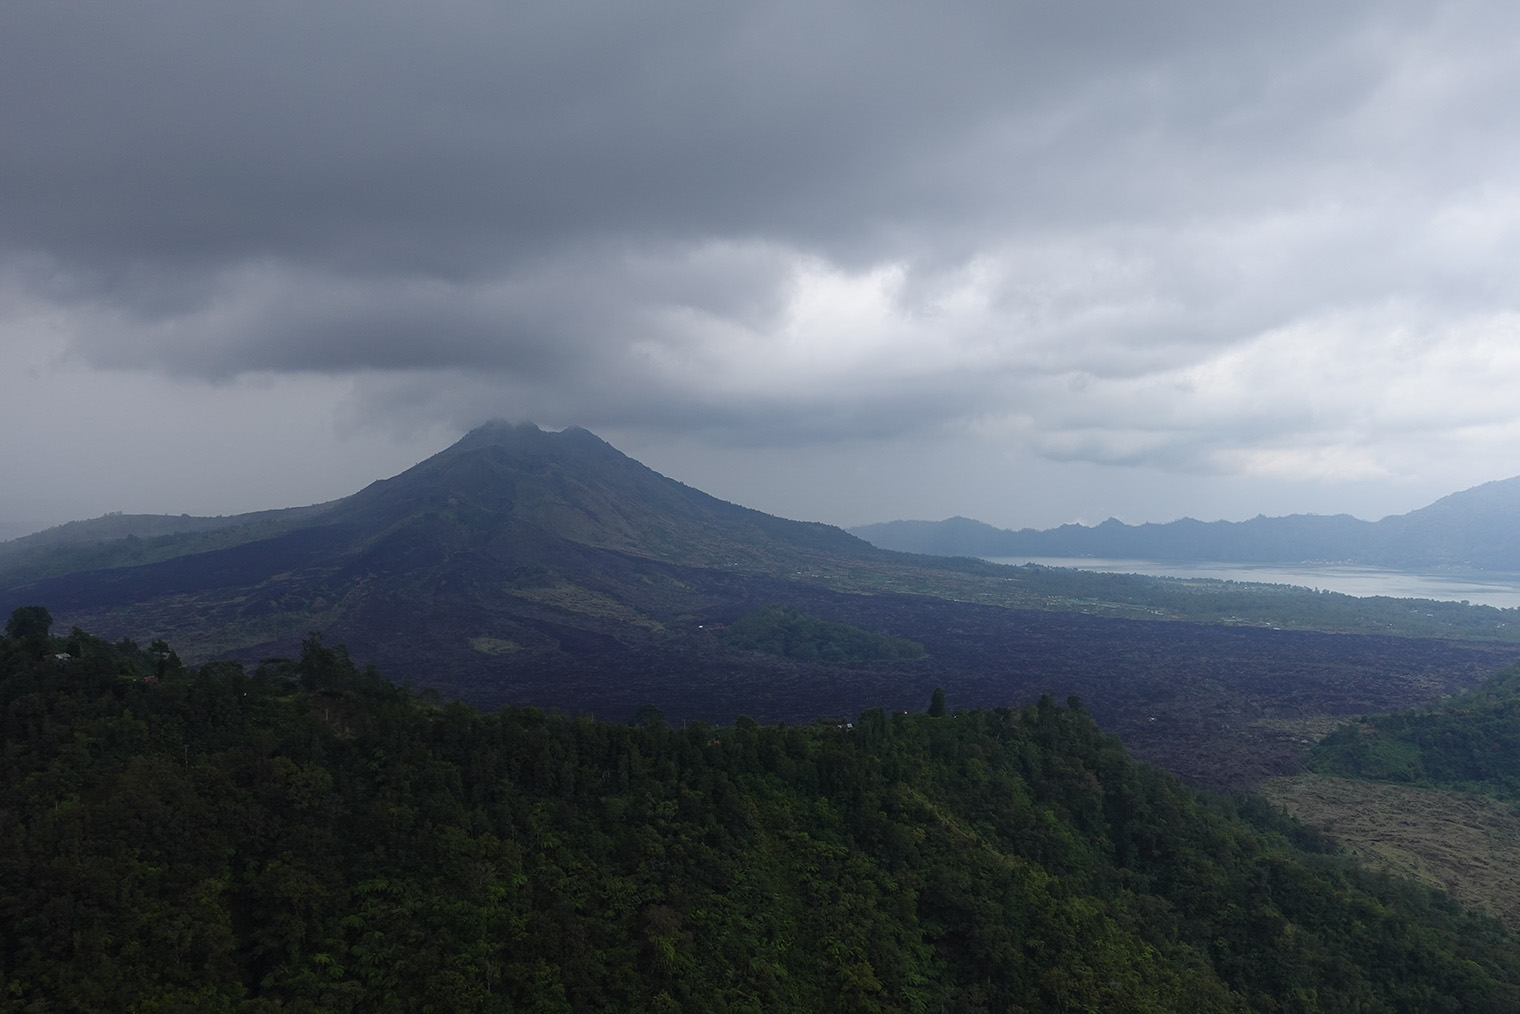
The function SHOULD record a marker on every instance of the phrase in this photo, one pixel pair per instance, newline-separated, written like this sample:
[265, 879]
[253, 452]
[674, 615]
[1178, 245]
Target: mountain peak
[500, 431]
[573, 485]
[526, 438]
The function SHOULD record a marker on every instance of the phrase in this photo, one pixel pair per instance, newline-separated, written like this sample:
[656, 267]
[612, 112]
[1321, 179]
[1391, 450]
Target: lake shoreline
[1490, 588]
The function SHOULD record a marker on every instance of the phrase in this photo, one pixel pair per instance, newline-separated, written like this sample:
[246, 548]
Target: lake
[1486, 587]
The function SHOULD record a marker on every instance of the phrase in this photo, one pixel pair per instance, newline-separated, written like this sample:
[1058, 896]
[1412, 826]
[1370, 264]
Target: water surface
[1479, 587]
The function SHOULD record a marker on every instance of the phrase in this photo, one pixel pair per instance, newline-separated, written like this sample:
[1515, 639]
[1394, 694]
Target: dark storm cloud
[1106, 232]
[457, 137]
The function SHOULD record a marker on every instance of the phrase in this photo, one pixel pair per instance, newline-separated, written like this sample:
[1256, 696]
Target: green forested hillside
[1430, 792]
[308, 837]
[1470, 742]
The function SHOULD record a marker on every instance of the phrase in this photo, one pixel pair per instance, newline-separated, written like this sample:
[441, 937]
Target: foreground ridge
[311, 837]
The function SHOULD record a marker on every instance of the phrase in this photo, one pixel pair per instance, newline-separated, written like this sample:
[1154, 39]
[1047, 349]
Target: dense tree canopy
[308, 837]
[1471, 741]
[29, 626]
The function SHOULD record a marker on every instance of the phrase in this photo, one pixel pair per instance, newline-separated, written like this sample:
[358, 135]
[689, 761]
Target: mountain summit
[573, 485]
[569, 485]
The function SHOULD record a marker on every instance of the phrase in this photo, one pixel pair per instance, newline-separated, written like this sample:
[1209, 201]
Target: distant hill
[122, 540]
[17, 529]
[1477, 529]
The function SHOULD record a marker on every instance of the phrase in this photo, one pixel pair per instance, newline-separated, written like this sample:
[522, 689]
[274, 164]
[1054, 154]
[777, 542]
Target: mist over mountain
[1475, 529]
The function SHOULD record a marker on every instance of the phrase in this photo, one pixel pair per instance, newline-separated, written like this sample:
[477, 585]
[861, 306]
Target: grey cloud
[550, 321]
[606, 214]
[442, 137]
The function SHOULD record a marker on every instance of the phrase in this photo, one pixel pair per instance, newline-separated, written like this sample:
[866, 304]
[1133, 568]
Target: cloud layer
[1188, 237]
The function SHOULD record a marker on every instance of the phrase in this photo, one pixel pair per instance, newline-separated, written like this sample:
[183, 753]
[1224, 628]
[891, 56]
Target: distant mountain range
[1477, 529]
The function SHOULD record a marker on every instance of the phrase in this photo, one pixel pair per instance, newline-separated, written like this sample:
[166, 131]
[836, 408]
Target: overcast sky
[1030, 262]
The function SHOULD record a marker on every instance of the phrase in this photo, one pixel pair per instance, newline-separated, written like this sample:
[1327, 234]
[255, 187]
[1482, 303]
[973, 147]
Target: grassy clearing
[1466, 844]
[1309, 728]
[586, 602]
[487, 645]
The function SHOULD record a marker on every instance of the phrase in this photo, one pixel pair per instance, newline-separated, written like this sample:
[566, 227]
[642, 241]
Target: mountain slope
[570, 485]
[511, 541]
[1476, 529]
[128, 540]
[574, 486]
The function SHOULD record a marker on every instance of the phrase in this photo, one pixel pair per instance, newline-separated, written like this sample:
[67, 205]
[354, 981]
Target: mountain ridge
[1471, 529]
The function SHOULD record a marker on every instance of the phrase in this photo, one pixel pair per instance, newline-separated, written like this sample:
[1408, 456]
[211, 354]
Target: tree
[165, 661]
[937, 703]
[31, 626]
[325, 668]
